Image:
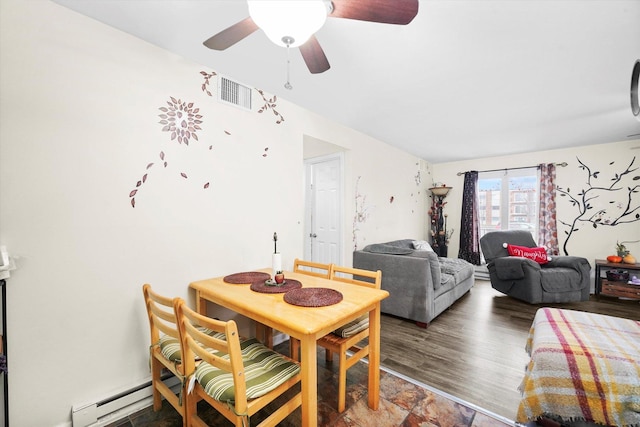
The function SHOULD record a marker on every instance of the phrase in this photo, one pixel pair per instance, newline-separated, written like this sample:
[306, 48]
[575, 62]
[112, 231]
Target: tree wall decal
[619, 206]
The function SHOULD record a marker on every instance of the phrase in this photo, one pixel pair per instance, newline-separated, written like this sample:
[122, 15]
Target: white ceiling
[465, 79]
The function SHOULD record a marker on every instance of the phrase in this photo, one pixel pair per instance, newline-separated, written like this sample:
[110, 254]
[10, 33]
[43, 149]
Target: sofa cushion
[170, 347]
[385, 248]
[560, 280]
[447, 282]
[458, 268]
[264, 371]
[353, 327]
[422, 245]
[509, 268]
[401, 243]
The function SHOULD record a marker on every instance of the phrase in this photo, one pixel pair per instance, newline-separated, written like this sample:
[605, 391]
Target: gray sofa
[421, 285]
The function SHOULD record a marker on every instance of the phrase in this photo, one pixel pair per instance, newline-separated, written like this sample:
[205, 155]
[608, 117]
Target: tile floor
[402, 403]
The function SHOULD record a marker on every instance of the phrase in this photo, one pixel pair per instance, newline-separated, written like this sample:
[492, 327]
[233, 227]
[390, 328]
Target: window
[508, 200]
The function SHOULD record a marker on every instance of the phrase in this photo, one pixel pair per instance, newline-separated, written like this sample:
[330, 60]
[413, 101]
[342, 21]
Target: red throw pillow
[538, 255]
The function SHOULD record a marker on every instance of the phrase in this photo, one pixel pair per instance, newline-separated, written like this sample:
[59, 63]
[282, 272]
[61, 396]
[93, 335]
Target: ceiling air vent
[234, 93]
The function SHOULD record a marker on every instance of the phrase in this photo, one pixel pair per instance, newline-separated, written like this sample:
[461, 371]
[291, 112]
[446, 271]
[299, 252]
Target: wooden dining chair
[165, 351]
[349, 336]
[309, 268]
[236, 377]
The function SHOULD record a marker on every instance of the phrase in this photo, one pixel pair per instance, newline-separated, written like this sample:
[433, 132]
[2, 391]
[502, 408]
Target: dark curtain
[470, 222]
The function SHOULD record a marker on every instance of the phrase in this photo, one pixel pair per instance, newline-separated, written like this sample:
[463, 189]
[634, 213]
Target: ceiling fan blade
[314, 56]
[231, 35]
[399, 12]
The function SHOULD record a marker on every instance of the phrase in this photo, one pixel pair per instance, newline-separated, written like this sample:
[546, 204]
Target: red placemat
[246, 277]
[313, 297]
[288, 285]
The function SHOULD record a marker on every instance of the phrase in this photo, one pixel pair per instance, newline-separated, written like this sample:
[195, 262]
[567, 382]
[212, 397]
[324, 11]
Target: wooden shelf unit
[3, 349]
[620, 289]
[616, 289]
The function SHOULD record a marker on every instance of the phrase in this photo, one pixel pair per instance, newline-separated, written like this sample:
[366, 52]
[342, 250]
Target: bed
[583, 367]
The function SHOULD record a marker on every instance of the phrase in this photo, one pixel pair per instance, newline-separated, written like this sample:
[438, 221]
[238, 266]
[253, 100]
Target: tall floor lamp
[439, 220]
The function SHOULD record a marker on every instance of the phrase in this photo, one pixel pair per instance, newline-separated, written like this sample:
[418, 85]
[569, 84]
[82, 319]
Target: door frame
[308, 202]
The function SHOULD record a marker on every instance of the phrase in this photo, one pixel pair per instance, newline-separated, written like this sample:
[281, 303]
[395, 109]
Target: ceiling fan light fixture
[289, 22]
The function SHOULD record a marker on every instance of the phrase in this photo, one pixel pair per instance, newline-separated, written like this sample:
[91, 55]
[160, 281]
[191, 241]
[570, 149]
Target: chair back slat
[163, 324]
[311, 268]
[357, 276]
[163, 320]
[161, 315]
[200, 344]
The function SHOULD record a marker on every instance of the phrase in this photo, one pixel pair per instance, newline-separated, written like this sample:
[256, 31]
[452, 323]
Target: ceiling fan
[293, 23]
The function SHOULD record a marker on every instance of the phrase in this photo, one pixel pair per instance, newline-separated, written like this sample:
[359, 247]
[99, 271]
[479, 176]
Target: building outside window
[508, 200]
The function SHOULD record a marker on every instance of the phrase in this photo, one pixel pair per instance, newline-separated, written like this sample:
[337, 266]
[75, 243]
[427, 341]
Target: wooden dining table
[307, 324]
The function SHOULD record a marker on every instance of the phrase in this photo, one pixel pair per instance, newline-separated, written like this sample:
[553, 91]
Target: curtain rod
[563, 164]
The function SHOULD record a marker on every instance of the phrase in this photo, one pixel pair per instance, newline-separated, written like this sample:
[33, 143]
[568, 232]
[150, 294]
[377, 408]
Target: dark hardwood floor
[475, 349]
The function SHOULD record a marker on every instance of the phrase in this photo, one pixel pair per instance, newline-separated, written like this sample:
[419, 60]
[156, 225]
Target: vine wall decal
[207, 81]
[623, 210]
[270, 104]
[361, 214]
[182, 121]
[418, 179]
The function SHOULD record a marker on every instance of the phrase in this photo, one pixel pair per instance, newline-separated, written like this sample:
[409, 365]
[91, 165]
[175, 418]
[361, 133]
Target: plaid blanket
[583, 367]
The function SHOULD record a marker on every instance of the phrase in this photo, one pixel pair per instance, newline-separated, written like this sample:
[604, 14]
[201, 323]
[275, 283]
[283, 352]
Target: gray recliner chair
[563, 279]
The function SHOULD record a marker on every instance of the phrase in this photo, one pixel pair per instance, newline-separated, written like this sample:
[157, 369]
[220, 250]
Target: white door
[323, 209]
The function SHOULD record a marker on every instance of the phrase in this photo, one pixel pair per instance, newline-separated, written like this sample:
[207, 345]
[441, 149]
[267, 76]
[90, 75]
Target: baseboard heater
[481, 272]
[119, 405]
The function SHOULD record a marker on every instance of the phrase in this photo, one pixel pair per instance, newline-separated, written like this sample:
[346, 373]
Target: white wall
[79, 112]
[608, 159]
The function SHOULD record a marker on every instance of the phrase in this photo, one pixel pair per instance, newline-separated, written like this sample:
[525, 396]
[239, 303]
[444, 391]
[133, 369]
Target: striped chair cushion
[264, 371]
[170, 347]
[353, 327]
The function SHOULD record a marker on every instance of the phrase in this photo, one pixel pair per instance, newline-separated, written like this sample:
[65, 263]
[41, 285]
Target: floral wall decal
[621, 209]
[182, 121]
